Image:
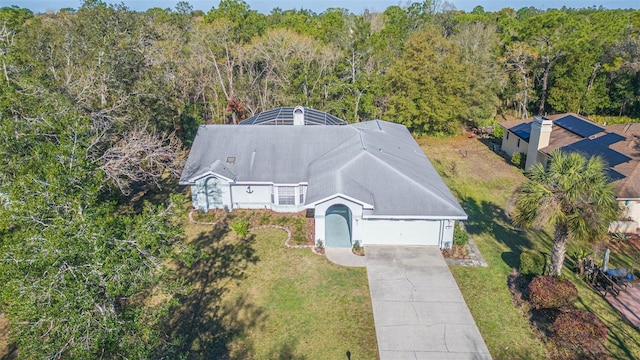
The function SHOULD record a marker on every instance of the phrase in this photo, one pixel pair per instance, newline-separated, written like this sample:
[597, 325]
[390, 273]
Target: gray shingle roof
[376, 162]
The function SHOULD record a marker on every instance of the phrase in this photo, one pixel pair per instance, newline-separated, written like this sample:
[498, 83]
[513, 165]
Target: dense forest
[99, 103]
[428, 67]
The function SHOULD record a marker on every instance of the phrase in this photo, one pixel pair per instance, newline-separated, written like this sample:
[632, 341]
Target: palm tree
[573, 195]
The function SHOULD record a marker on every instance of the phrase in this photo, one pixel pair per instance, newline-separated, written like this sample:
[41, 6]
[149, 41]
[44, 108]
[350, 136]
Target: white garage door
[401, 232]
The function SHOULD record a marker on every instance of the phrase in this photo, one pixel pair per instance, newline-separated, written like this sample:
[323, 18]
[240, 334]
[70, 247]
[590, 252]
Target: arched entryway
[337, 225]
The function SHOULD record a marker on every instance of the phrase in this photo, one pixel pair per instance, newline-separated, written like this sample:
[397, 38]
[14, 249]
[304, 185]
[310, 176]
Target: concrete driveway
[418, 310]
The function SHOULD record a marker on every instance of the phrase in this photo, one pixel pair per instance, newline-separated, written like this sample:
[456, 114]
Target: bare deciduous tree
[142, 156]
[289, 67]
[517, 59]
[6, 40]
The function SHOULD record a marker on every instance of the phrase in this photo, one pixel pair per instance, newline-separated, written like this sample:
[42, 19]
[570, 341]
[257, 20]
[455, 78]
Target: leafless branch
[142, 156]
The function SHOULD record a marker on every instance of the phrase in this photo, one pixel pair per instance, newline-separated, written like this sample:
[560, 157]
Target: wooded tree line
[97, 104]
[427, 66]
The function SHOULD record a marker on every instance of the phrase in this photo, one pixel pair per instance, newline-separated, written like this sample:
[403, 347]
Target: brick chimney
[539, 138]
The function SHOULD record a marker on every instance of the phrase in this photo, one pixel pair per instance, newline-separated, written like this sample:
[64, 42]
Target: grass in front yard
[255, 299]
[484, 182]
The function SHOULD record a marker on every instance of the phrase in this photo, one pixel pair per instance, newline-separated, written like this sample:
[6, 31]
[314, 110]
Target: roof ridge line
[439, 196]
[362, 141]
[350, 178]
[324, 154]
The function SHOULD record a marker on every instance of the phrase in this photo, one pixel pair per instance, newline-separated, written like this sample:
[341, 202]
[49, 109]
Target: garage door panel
[401, 232]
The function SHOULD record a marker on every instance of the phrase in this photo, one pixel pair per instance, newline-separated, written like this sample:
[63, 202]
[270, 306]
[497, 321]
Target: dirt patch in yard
[7, 352]
[465, 151]
[456, 252]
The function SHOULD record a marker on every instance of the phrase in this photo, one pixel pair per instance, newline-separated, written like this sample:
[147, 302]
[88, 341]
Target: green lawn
[256, 299]
[484, 182]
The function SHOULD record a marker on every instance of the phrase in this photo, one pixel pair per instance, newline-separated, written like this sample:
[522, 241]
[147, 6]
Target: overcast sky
[318, 6]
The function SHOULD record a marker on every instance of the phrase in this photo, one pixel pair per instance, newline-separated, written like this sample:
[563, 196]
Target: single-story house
[618, 145]
[368, 182]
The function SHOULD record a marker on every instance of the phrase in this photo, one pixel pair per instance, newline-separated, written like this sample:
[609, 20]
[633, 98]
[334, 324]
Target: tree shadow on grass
[617, 333]
[201, 326]
[286, 351]
[488, 217]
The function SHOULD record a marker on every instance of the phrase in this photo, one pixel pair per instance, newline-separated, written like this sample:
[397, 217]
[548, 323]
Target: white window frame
[286, 195]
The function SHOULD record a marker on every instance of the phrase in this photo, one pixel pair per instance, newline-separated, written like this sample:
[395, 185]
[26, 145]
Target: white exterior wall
[540, 137]
[211, 193]
[356, 218]
[446, 241]
[258, 198]
[510, 143]
[215, 193]
[631, 209]
[405, 232]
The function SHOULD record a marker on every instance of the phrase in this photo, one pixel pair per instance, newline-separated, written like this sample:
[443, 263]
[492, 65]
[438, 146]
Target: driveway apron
[418, 310]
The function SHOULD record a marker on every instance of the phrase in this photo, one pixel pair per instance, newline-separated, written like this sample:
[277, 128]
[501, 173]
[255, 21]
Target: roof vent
[231, 159]
[298, 115]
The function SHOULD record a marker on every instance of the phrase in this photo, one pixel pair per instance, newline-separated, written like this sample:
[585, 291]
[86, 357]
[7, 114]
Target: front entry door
[338, 226]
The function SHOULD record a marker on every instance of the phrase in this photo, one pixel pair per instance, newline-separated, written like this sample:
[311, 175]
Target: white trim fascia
[414, 217]
[253, 183]
[194, 179]
[248, 182]
[318, 202]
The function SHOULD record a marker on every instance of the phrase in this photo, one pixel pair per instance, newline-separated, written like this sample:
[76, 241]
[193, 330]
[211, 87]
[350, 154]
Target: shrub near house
[532, 263]
[549, 292]
[574, 334]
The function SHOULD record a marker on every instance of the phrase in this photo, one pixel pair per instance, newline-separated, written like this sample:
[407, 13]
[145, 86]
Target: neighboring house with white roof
[367, 182]
[618, 145]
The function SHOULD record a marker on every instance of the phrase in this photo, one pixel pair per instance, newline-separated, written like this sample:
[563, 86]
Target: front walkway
[344, 257]
[418, 310]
